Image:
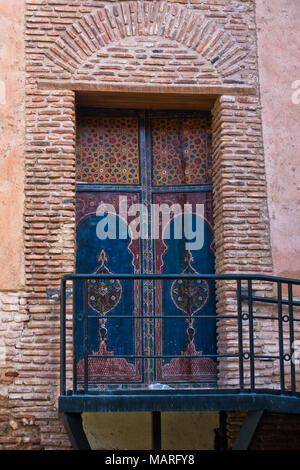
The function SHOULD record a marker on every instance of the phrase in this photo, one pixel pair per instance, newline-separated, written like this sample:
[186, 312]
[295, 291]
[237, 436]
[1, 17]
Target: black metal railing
[263, 318]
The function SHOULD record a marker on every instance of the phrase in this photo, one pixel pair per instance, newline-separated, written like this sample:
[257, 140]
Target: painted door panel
[186, 334]
[108, 335]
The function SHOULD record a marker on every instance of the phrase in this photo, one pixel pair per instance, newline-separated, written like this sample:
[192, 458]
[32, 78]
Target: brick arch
[170, 63]
[124, 20]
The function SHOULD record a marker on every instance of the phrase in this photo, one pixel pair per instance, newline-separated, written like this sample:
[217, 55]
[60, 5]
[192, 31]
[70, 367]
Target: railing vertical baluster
[251, 336]
[85, 335]
[280, 333]
[143, 328]
[240, 333]
[292, 337]
[63, 337]
[74, 335]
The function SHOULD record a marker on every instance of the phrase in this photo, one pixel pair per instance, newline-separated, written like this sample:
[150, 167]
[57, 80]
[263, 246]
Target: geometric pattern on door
[181, 151]
[107, 150]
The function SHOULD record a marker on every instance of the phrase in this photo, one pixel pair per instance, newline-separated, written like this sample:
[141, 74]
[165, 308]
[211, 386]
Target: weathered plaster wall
[279, 67]
[12, 124]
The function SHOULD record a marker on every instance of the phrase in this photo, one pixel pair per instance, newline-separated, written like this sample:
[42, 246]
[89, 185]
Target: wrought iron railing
[261, 313]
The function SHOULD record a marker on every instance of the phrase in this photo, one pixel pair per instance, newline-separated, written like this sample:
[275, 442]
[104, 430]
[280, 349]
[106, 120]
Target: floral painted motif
[107, 150]
[189, 296]
[181, 151]
[103, 297]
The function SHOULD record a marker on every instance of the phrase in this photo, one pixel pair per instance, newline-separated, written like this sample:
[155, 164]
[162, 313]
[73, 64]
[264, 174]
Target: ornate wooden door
[131, 163]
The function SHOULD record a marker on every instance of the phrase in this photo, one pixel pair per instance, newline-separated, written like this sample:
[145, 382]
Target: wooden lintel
[214, 90]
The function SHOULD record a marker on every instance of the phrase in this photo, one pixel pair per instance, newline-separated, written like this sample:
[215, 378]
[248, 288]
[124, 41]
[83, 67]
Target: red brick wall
[187, 42]
[241, 228]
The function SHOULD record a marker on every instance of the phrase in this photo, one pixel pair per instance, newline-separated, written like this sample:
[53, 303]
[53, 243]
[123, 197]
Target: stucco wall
[279, 67]
[12, 124]
[127, 431]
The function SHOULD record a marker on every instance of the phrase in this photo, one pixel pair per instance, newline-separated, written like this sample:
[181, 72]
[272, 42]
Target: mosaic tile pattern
[107, 150]
[181, 151]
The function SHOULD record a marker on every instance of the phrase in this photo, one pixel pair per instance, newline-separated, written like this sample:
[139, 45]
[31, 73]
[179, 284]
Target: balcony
[254, 366]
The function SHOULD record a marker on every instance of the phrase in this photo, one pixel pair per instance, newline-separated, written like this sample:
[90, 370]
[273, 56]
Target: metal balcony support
[74, 427]
[156, 430]
[248, 430]
[220, 442]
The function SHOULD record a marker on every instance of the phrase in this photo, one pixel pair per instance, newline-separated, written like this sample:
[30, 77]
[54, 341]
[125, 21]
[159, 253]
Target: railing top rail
[153, 277]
